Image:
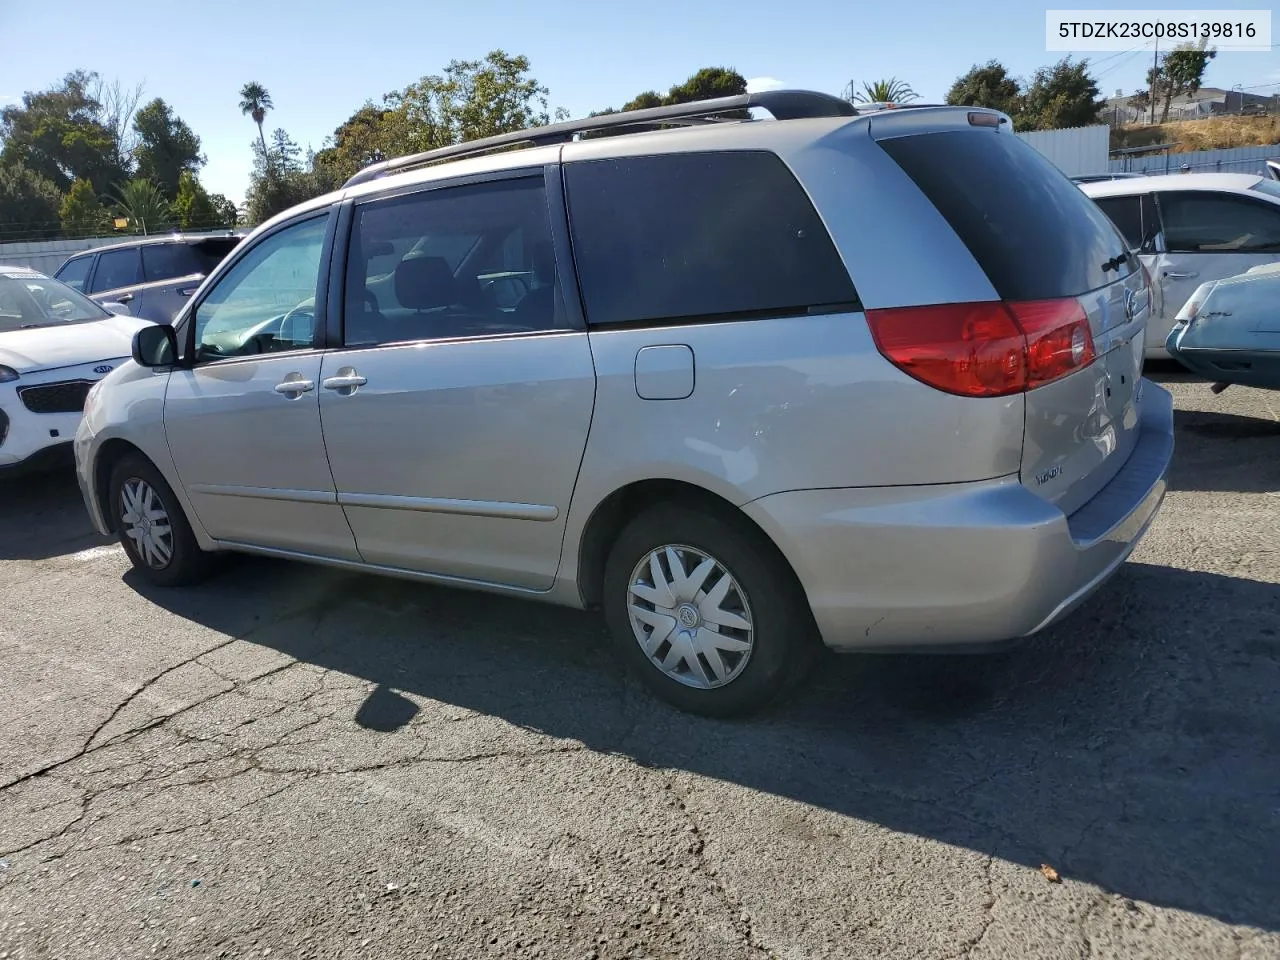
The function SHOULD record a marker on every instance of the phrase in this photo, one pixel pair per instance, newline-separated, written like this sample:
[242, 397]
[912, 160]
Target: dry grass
[1218, 133]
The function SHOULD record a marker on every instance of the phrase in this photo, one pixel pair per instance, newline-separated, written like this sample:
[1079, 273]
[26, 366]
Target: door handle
[125, 298]
[187, 291]
[345, 382]
[1179, 276]
[294, 388]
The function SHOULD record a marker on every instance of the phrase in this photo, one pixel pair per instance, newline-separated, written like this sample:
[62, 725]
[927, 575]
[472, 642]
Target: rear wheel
[152, 527]
[706, 611]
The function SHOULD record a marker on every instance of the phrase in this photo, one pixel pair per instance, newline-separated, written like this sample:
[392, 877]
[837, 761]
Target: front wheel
[152, 527]
[706, 611]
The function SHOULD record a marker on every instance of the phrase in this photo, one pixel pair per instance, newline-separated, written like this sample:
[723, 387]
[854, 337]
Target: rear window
[700, 236]
[164, 261]
[1034, 232]
[211, 252]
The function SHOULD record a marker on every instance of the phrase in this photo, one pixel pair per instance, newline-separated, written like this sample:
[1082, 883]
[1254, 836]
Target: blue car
[1229, 330]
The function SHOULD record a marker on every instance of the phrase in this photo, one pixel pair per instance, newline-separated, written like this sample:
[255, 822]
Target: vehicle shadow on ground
[1132, 747]
[1225, 452]
[42, 515]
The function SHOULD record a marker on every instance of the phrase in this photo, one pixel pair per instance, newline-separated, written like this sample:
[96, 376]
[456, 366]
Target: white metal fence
[48, 255]
[1076, 151]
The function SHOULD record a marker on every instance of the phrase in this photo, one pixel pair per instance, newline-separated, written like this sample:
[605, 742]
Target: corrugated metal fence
[48, 255]
[1234, 160]
[1076, 151]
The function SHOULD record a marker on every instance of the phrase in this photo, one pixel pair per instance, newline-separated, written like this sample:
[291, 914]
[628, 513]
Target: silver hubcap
[690, 617]
[146, 523]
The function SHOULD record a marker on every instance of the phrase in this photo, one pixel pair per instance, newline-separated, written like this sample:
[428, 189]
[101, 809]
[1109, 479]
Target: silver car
[151, 276]
[748, 386]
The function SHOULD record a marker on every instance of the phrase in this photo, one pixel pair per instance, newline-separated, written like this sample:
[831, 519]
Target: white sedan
[54, 345]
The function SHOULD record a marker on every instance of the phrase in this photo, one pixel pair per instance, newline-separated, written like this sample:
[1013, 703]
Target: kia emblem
[103, 368]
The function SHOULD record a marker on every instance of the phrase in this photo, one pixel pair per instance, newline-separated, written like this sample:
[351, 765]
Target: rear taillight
[987, 349]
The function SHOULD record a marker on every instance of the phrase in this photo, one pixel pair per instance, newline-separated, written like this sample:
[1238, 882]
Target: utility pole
[1155, 67]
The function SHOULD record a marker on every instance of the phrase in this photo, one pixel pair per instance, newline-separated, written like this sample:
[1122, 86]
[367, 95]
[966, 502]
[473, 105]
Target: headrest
[424, 282]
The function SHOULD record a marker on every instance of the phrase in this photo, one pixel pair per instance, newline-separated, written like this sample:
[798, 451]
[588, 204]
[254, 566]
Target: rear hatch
[1045, 245]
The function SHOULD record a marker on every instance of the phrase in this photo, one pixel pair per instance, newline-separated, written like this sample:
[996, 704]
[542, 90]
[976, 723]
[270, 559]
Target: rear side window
[699, 236]
[211, 252]
[74, 272]
[1198, 222]
[165, 261]
[1033, 231]
[116, 268]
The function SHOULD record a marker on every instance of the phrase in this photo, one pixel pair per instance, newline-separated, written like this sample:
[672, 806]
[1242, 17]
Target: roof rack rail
[782, 104]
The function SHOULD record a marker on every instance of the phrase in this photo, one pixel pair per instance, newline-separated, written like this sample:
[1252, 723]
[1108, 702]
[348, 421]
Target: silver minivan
[748, 386]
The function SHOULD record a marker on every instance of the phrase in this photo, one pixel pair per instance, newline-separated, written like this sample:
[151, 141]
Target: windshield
[28, 300]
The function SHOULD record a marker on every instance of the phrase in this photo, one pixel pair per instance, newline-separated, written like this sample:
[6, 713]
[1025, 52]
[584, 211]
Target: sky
[321, 60]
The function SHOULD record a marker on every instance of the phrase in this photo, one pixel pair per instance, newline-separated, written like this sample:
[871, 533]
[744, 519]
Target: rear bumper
[958, 566]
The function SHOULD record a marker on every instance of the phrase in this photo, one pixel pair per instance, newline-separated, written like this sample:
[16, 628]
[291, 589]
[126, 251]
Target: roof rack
[782, 104]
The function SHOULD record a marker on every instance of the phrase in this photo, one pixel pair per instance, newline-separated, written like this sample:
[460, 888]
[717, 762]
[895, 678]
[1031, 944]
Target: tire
[781, 641]
[168, 557]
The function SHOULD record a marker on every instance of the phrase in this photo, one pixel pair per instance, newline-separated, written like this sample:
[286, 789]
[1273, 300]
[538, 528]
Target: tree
[82, 213]
[193, 206]
[29, 204]
[987, 85]
[1061, 96]
[1180, 72]
[225, 212]
[59, 135]
[362, 139]
[284, 153]
[255, 102]
[709, 83]
[469, 100]
[145, 207]
[1140, 100]
[892, 90]
[644, 101]
[116, 107]
[166, 148]
[278, 181]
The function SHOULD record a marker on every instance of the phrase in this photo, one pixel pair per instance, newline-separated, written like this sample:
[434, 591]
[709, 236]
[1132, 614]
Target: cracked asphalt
[292, 762]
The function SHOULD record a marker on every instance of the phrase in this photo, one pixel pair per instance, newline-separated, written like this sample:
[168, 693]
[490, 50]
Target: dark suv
[152, 276]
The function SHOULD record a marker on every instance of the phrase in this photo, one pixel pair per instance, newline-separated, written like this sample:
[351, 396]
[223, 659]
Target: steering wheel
[305, 309]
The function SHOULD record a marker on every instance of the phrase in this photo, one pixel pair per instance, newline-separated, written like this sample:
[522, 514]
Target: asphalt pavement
[292, 762]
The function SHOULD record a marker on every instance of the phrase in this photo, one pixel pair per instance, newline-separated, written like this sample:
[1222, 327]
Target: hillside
[1218, 133]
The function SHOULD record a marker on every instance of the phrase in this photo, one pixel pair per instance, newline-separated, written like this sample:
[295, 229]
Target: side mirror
[116, 307]
[155, 346]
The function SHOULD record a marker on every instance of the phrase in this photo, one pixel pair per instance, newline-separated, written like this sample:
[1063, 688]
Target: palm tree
[892, 90]
[144, 205]
[255, 102]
